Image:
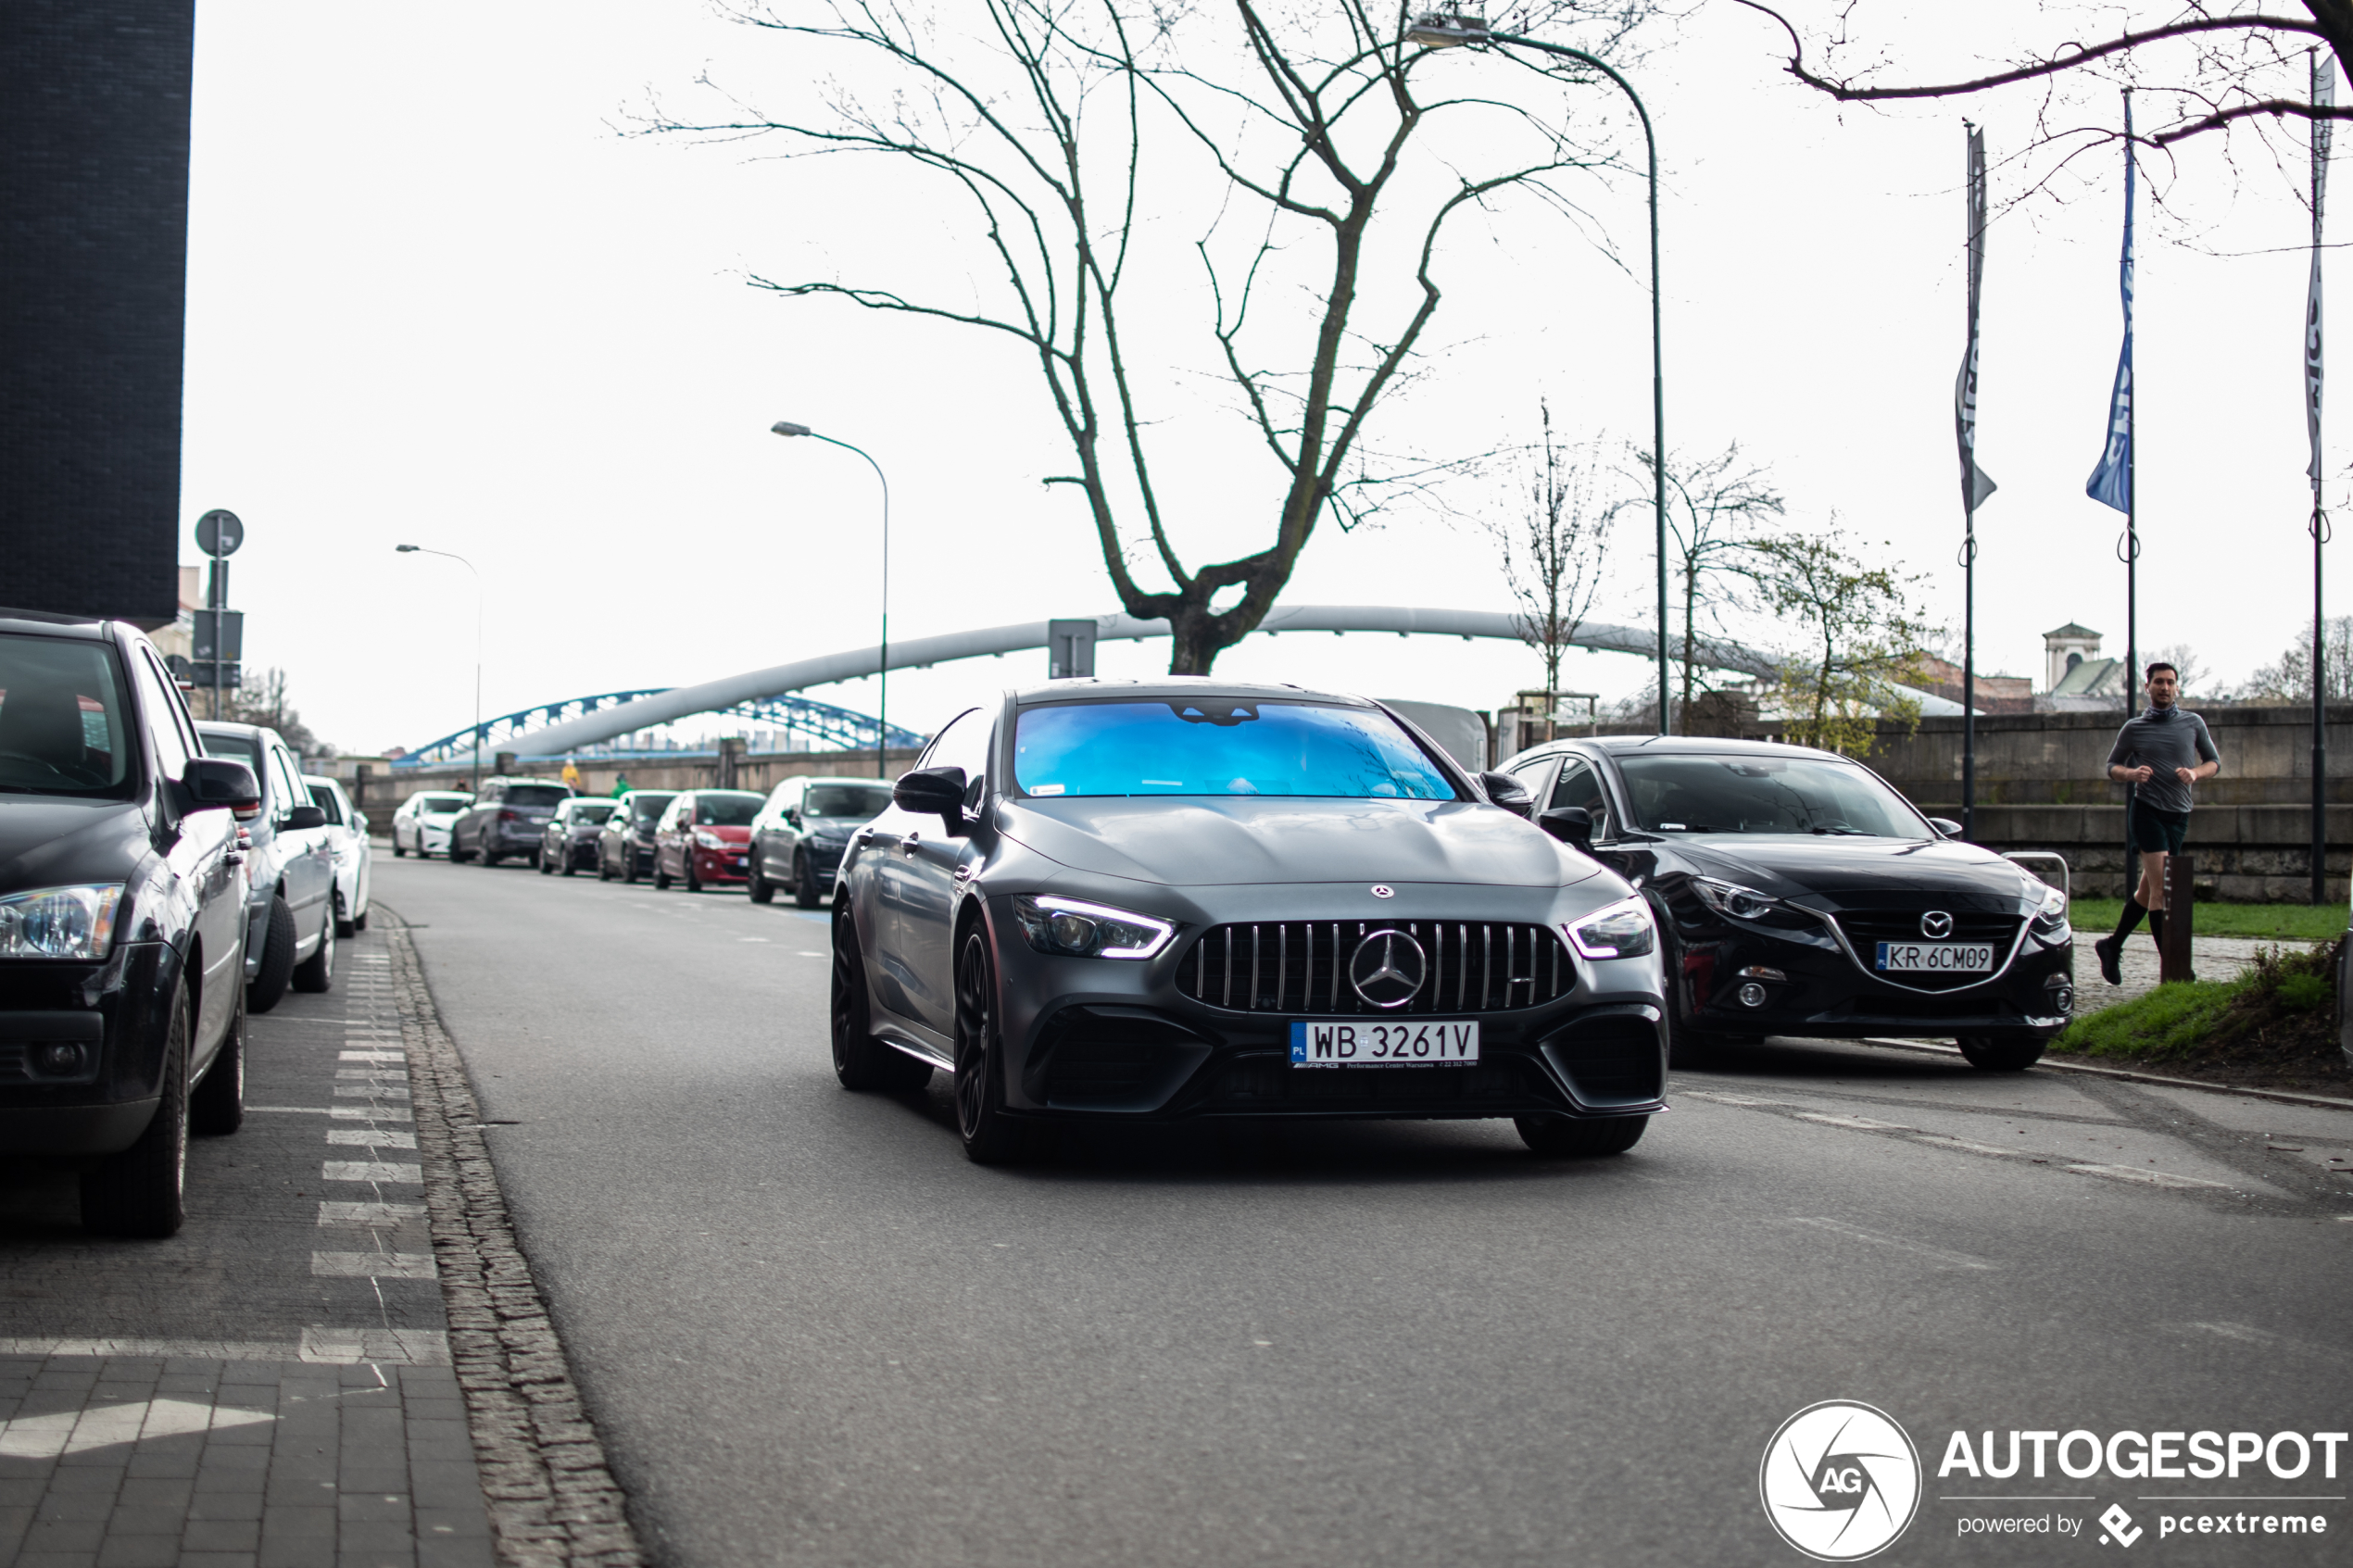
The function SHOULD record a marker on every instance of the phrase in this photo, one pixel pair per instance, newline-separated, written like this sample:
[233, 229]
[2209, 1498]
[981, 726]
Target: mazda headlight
[1731, 898]
[59, 923]
[2050, 920]
[709, 840]
[1624, 930]
[1072, 928]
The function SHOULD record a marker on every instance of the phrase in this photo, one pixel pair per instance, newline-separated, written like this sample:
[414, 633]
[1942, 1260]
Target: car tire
[661, 878]
[397, 852]
[316, 973]
[1578, 1138]
[991, 1136]
[547, 867]
[490, 859]
[2002, 1053]
[571, 860]
[143, 1191]
[760, 889]
[344, 924]
[269, 983]
[686, 873]
[359, 921]
[217, 1106]
[861, 1062]
[629, 865]
[604, 872]
[804, 884]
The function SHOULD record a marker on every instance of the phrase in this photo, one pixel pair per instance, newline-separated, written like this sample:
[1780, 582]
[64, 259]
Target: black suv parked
[123, 927]
[506, 819]
[625, 848]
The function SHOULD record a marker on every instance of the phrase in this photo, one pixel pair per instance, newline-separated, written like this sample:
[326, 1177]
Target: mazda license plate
[1419, 1042]
[1935, 958]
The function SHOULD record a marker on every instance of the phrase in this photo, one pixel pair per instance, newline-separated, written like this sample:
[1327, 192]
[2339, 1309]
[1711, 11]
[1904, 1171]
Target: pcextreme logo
[1840, 1481]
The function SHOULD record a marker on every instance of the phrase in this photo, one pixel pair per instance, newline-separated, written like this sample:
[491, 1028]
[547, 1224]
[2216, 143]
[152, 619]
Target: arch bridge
[837, 729]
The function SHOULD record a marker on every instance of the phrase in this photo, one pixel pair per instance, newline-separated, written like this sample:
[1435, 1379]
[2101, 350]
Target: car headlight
[2050, 920]
[1072, 928]
[709, 840]
[1623, 930]
[1731, 898]
[59, 923]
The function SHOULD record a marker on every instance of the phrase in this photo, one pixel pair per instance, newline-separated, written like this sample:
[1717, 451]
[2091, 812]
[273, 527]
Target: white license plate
[1420, 1042]
[1936, 958]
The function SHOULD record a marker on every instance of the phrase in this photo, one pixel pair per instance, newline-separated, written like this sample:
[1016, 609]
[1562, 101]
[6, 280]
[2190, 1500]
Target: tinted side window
[328, 801]
[163, 722]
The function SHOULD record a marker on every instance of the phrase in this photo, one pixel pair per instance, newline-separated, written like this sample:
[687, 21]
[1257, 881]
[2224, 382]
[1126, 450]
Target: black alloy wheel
[143, 1191]
[2001, 1053]
[269, 983]
[991, 1136]
[316, 973]
[762, 890]
[804, 882]
[687, 870]
[861, 1062]
[217, 1106]
[1577, 1138]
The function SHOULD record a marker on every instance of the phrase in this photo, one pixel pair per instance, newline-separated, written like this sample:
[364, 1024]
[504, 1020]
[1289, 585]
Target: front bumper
[119, 1011]
[1104, 1037]
[720, 865]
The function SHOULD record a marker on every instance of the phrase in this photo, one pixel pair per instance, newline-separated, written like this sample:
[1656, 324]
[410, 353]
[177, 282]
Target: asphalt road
[810, 1331]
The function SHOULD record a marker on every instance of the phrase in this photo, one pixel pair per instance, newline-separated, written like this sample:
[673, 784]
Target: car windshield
[444, 802]
[537, 795]
[863, 801]
[62, 719]
[726, 811]
[1220, 745]
[649, 807]
[585, 813]
[1764, 794]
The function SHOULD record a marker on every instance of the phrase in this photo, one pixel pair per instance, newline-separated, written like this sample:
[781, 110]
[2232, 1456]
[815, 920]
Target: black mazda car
[1798, 893]
[1121, 902]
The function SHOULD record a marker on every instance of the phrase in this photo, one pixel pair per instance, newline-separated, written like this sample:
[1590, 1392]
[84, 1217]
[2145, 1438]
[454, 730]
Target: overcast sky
[441, 294]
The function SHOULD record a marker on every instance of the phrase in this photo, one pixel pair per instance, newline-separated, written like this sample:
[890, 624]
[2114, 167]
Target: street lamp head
[1444, 30]
[406, 549]
[785, 427]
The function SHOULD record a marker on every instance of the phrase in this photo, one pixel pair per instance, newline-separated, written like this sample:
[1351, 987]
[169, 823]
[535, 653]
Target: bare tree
[1714, 507]
[2188, 668]
[1039, 125]
[262, 700]
[1555, 549]
[2289, 681]
[1861, 636]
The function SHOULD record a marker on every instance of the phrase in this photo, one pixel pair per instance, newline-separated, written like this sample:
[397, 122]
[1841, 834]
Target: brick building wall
[94, 226]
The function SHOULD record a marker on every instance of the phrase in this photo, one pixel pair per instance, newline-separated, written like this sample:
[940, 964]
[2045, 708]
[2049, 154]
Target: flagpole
[2323, 92]
[2132, 489]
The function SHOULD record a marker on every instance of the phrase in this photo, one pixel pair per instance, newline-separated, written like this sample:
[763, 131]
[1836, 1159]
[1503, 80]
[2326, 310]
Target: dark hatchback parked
[506, 818]
[625, 848]
[1119, 901]
[569, 841]
[123, 920]
[800, 836]
[1799, 894]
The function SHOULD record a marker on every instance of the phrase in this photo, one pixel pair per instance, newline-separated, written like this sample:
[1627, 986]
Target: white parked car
[421, 824]
[348, 836]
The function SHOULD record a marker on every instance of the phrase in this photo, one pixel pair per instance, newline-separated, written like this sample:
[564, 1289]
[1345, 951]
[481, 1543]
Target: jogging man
[2160, 752]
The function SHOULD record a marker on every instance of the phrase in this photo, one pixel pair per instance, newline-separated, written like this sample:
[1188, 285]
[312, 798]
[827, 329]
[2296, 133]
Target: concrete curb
[2288, 1097]
[552, 1498]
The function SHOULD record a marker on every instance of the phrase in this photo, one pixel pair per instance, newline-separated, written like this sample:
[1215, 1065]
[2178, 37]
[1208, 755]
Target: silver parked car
[1119, 901]
[348, 836]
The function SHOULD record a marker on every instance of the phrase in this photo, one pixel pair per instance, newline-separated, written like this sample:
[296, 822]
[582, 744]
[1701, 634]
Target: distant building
[1994, 694]
[2076, 679]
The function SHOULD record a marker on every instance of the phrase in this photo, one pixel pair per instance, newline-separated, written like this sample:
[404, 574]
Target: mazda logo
[1936, 924]
[1388, 968]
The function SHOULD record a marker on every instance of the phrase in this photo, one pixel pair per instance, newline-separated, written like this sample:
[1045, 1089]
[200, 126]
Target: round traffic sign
[219, 533]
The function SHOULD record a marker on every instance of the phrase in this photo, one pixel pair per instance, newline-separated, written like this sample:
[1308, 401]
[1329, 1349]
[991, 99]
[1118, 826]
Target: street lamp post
[882, 674]
[420, 550]
[1439, 29]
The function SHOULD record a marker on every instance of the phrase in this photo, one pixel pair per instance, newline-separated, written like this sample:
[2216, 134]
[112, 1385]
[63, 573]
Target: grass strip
[2284, 1007]
[2271, 922]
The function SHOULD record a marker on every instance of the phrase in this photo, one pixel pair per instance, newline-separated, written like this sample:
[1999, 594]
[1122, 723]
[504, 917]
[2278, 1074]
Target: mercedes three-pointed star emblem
[1388, 969]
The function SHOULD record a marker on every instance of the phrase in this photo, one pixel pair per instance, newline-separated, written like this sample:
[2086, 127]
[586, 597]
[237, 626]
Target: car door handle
[912, 842]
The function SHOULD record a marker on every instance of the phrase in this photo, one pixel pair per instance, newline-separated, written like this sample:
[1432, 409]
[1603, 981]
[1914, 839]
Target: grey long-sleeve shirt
[2164, 739]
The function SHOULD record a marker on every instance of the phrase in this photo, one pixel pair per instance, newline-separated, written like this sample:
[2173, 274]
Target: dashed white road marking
[373, 1171]
[1860, 1124]
[1941, 1140]
[2151, 1178]
[373, 1265]
[331, 1213]
[103, 1426]
[372, 1137]
[1856, 1232]
[372, 1056]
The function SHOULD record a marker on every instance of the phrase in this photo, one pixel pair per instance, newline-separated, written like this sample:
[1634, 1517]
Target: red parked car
[704, 836]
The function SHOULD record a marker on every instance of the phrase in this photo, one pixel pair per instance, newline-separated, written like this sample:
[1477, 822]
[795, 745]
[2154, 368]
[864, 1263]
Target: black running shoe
[2109, 949]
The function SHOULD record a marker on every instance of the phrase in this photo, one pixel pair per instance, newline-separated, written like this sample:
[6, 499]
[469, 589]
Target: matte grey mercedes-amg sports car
[1134, 900]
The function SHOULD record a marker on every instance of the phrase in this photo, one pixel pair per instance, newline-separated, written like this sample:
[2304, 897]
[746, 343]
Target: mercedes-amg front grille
[1302, 966]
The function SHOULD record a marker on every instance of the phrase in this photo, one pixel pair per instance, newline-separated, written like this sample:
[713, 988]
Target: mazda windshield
[1221, 745]
[1784, 795]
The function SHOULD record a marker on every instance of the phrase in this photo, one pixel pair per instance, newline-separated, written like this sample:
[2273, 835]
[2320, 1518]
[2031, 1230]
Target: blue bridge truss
[837, 729]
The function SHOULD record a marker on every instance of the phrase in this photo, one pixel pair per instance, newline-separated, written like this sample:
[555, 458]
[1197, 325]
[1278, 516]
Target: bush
[2286, 1003]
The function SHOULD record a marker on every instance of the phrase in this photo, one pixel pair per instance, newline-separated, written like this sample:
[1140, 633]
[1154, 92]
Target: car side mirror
[214, 784]
[934, 791]
[1505, 790]
[1573, 826]
[305, 817]
[1947, 826]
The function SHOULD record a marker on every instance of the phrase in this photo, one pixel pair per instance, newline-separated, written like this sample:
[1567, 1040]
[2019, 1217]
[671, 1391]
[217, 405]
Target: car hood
[732, 834]
[46, 843]
[1858, 872]
[438, 818]
[1195, 841]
